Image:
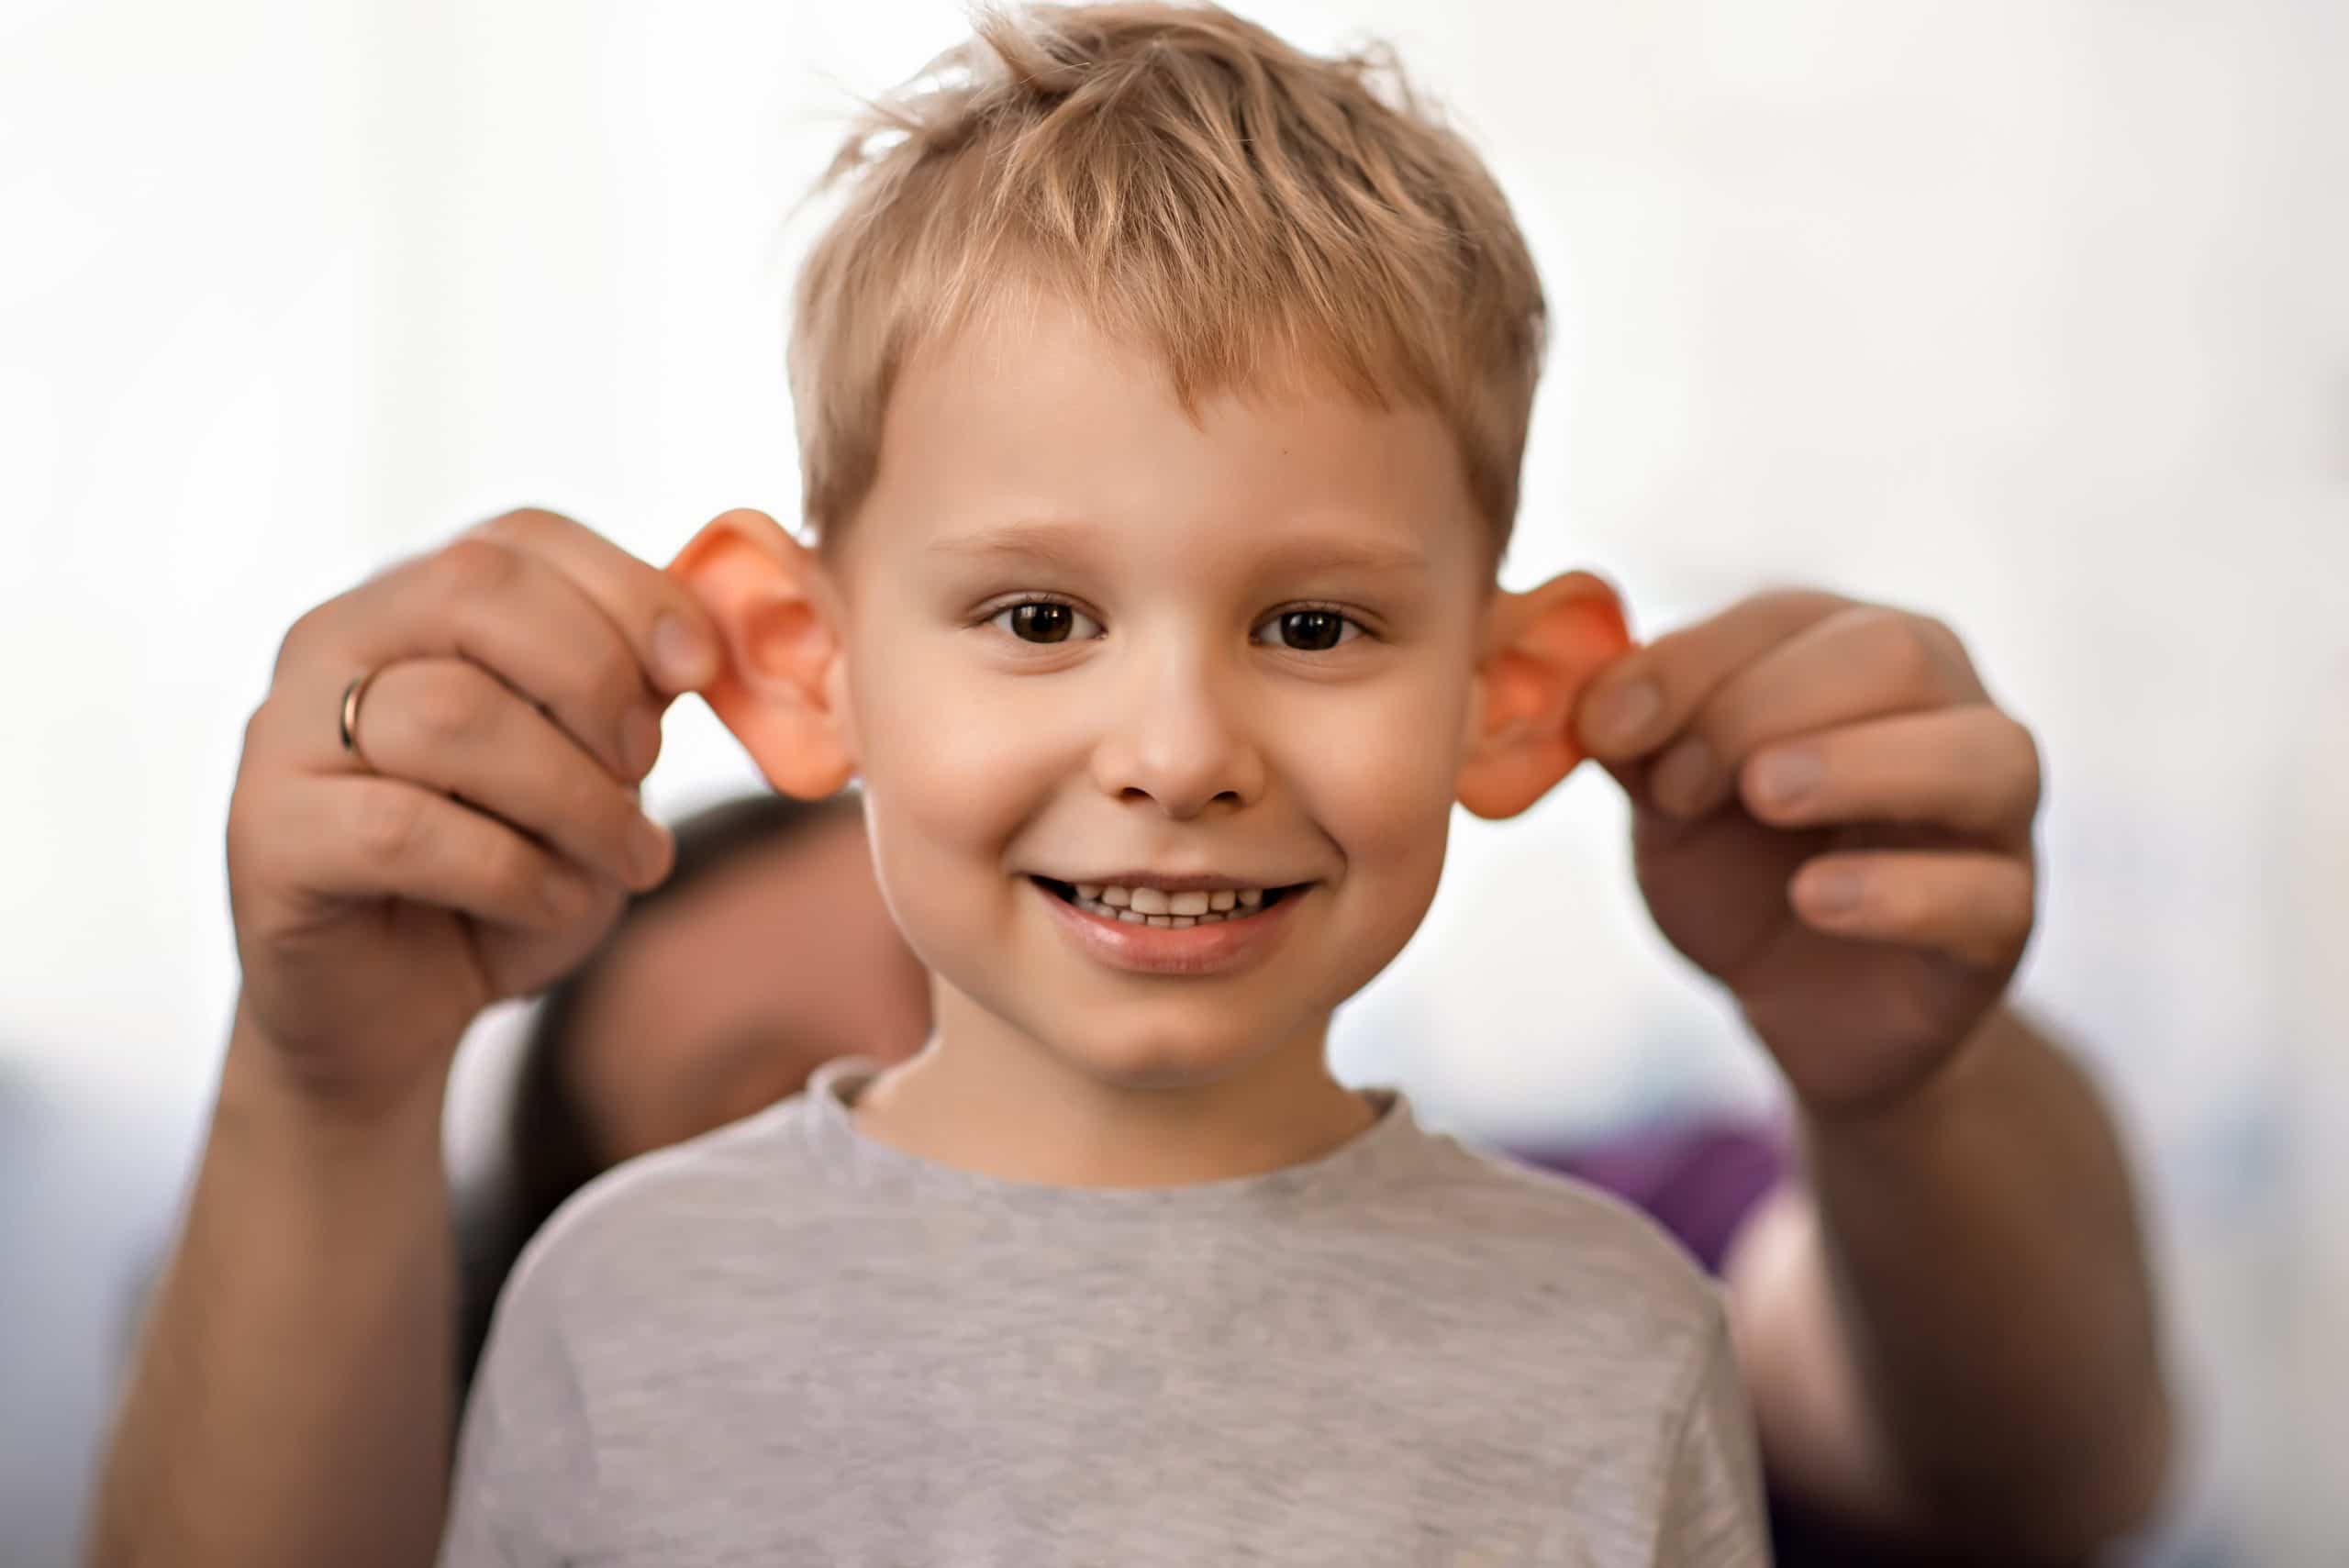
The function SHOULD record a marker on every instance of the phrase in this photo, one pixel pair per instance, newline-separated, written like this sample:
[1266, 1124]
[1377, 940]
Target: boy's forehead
[1031, 412]
[1051, 342]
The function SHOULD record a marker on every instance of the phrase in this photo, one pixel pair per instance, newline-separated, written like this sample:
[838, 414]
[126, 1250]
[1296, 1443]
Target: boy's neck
[986, 1099]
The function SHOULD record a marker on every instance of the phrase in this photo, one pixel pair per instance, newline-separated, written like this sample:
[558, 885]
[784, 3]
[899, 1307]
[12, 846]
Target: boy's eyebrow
[1066, 544]
[1341, 552]
[1062, 543]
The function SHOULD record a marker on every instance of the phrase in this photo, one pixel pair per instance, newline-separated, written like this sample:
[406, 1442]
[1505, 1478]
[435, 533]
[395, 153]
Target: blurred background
[2028, 313]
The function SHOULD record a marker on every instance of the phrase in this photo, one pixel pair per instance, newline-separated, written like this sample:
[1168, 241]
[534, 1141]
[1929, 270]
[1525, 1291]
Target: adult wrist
[262, 1098]
[1927, 1103]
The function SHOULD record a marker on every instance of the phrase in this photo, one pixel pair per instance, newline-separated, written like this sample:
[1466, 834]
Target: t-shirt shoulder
[1560, 1238]
[604, 1232]
[1509, 1190]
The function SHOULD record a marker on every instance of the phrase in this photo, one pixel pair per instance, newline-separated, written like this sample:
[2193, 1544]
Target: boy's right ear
[777, 686]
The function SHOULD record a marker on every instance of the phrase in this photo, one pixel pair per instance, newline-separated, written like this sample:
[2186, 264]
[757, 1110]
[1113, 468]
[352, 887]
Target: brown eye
[1041, 623]
[1045, 620]
[1310, 631]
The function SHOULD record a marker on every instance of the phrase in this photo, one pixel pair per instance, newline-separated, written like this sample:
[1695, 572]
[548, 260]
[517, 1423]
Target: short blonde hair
[1199, 187]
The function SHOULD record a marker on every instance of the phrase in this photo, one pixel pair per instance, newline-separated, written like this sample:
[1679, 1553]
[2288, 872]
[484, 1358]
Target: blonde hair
[1197, 185]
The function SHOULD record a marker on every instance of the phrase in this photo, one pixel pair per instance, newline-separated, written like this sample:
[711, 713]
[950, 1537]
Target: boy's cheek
[1389, 814]
[1383, 781]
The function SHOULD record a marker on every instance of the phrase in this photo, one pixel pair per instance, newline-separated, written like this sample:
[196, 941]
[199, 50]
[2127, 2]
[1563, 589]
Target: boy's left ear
[1542, 648]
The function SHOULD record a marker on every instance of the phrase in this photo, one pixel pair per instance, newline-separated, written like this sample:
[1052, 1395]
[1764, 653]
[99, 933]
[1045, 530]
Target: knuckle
[1937, 635]
[475, 565]
[300, 638]
[254, 823]
[1796, 602]
[253, 741]
[1948, 650]
[387, 825]
[522, 526]
[1899, 647]
[246, 822]
[447, 709]
[2030, 767]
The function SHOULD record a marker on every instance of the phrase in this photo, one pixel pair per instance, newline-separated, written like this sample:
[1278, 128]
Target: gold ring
[347, 723]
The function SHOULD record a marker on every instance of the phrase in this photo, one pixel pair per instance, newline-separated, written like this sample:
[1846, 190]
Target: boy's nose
[1178, 741]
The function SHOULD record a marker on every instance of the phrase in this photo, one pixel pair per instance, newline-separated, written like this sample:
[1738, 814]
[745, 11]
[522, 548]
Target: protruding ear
[778, 689]
[1540, 649]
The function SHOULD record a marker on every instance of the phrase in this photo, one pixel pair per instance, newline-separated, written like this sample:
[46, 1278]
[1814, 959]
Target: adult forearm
[292, 1400]
[1982, 1245]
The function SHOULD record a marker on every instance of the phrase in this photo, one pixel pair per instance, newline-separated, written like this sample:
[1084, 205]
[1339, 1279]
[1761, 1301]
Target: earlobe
[1541, 649]
[776, 687]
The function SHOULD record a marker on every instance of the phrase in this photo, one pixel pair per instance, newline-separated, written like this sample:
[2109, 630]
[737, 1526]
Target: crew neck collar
[1373, 1155]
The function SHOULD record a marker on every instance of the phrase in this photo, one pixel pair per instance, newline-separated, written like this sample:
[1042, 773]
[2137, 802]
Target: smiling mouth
[1154, 907]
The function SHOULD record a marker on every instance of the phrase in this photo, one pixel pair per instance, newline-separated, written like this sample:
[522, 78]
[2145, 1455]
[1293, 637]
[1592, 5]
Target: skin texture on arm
[1951, 1335]
[292, 1401]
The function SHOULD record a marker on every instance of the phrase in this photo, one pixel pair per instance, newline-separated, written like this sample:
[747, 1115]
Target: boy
[1163, 396]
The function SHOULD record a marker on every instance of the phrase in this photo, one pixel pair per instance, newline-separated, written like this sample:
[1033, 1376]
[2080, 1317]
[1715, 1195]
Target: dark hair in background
[551, 1140]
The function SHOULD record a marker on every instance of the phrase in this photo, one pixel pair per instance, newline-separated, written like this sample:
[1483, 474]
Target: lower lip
[1216, 948]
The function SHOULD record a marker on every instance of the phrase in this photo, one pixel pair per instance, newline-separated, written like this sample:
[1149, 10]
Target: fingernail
[640, 742]
[1783, 777]
[679, 651]
[648, 848]
[1680, 780]
[1616, 717]
[1835, 891]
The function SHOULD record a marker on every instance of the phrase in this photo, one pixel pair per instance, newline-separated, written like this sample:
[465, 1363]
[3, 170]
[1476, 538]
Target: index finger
[1647, 696]
[671, 633]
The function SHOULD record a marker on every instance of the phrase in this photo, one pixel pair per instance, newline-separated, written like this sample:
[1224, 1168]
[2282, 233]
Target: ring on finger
[346, 718]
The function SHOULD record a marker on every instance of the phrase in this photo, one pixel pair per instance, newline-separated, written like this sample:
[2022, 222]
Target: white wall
[2025, 311]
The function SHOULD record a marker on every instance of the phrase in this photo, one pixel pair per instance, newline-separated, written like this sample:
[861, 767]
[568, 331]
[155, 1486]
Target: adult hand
[1833, 818]
[485, 835]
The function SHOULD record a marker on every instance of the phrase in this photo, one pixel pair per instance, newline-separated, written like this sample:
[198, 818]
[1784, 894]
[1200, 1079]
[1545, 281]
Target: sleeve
[525, 1487]
[1713, 1513]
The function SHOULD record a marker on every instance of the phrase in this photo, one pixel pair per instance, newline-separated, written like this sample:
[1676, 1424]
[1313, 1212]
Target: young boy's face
[1089, 642]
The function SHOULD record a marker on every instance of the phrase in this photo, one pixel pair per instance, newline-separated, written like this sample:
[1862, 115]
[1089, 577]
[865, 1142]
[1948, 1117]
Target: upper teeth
[1159, 907]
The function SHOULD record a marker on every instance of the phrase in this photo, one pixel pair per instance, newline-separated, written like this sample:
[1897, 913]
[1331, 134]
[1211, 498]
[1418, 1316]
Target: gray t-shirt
[788, 1343]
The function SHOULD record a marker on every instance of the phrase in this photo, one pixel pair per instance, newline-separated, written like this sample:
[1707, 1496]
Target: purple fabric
[1697, 1179]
